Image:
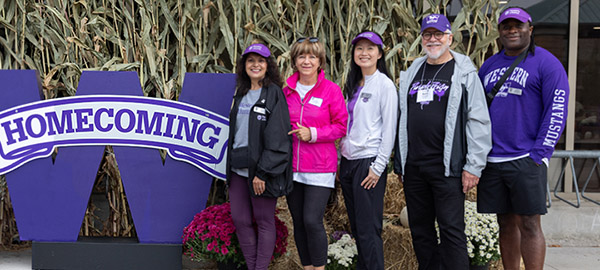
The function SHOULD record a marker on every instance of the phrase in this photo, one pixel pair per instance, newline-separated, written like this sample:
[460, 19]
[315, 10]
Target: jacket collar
[292, 81]
[375, 75]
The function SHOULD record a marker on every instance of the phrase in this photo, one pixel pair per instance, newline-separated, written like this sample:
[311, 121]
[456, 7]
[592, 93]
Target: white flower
[482, 234]
[342, 251]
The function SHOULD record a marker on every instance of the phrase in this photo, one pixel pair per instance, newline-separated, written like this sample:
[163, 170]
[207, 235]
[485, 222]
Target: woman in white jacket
[372, 102]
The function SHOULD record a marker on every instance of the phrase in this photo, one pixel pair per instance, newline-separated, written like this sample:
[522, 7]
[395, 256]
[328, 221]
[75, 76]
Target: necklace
[436, 73]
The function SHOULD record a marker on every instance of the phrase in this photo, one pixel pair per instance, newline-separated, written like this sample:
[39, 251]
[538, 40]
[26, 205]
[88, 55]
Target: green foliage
[162, 40]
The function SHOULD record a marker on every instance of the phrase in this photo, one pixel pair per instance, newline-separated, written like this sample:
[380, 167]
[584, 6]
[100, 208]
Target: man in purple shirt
[528, 115]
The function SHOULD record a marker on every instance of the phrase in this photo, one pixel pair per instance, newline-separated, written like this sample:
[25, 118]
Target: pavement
[557, 258]
[572, 258]
[572, 235]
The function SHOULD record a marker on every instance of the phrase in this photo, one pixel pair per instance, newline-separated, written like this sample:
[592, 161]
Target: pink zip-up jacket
[324, 112]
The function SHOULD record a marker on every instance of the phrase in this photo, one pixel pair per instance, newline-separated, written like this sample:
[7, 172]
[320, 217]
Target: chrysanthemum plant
[482, 231]
[342, 253]
[211, 235]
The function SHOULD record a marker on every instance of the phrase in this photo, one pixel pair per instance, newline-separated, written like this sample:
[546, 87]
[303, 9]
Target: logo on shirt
[439, 89]
[503, 91]
[245, 108]
[365, 96]
[519, 75]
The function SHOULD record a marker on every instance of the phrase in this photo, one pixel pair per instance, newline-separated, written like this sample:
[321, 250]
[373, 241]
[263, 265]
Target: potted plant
[342, 252]
[211, 235]
[482, 231]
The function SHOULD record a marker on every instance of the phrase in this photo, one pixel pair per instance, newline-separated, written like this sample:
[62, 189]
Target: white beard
[443, 49]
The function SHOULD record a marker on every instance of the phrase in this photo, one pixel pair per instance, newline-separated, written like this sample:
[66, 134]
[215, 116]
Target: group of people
[452, 127]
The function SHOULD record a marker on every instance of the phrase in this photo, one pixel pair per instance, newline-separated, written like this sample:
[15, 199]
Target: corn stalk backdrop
[162, 40]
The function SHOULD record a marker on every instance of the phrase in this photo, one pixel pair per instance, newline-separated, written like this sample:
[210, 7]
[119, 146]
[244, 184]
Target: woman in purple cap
[318, 117]
[372, 102]
[259, 153]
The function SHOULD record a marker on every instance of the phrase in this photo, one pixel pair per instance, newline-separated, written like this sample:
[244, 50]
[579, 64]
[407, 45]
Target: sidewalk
[557, 258]
[572, 258]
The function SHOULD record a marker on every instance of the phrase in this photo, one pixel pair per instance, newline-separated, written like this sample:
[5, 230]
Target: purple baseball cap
[514, 13]
[369, 36]
[437, 21]
[258, 48]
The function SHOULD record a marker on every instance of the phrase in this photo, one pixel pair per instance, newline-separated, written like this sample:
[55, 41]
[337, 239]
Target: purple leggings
[257, 246]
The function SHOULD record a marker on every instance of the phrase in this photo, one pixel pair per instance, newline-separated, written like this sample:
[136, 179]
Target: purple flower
[337, 235]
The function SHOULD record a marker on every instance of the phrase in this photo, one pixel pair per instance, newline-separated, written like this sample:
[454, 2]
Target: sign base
[105, 253]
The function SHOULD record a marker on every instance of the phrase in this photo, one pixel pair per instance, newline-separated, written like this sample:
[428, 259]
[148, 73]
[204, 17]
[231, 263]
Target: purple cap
[437, 21]
[369, 36]
[514, 13]
[258, 48]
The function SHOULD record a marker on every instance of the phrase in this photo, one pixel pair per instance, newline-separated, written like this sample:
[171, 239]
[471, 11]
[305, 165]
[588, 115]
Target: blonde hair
[306, 46]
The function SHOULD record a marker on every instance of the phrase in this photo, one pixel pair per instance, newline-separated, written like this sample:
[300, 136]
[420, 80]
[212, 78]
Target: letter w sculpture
[50, 198]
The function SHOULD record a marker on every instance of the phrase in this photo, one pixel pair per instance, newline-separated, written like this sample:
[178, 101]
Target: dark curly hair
[243, 82]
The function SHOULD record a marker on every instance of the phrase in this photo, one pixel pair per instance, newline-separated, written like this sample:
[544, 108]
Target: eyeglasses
[437, 35]
[310, 39]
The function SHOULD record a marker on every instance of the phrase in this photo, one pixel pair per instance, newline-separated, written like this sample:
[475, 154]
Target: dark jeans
[365, 211]
[430, 196]
[307, 205]
[257, 246]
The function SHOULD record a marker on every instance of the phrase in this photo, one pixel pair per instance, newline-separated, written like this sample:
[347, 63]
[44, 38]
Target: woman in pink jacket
[318, 117]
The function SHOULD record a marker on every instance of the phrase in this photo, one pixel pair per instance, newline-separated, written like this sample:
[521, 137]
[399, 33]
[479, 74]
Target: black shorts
[516, 187]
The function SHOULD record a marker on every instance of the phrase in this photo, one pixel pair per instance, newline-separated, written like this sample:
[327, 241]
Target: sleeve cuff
[376, 170]
[260, 174]
[313, 135]
[472, 170]
[536, 158]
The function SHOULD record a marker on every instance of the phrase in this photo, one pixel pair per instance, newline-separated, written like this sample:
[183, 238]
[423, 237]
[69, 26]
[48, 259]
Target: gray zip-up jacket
[373, 129]
[468, 137]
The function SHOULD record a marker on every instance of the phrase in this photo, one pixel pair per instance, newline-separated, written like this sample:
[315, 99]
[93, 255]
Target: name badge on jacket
[316, 101]
[259, 110]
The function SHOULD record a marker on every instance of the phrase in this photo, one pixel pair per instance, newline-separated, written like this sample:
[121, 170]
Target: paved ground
[572, 258]
[557, 258]
[15, 260]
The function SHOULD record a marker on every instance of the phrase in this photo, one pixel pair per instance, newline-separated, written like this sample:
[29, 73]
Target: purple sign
[49, 198]
[190, 133]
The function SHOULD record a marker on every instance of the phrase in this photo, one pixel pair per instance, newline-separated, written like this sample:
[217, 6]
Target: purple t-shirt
[351, 105]
[529, 111]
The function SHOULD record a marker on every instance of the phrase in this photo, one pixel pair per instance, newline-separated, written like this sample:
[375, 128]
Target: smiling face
[307, 65]
[366, 54]
[437, 45]
[515, 36]
[256, 68]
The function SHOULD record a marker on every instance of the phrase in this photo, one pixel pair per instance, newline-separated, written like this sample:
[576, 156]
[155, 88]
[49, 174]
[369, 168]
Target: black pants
[430, 196]
[365, 211]
[307, 205]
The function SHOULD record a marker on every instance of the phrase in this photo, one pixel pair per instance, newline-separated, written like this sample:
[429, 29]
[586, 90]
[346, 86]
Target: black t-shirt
[426, 118]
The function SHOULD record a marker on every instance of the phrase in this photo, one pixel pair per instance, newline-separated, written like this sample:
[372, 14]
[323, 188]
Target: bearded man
[444, 136]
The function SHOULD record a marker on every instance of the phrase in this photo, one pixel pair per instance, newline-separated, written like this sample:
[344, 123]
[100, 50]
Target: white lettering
[556, 118]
